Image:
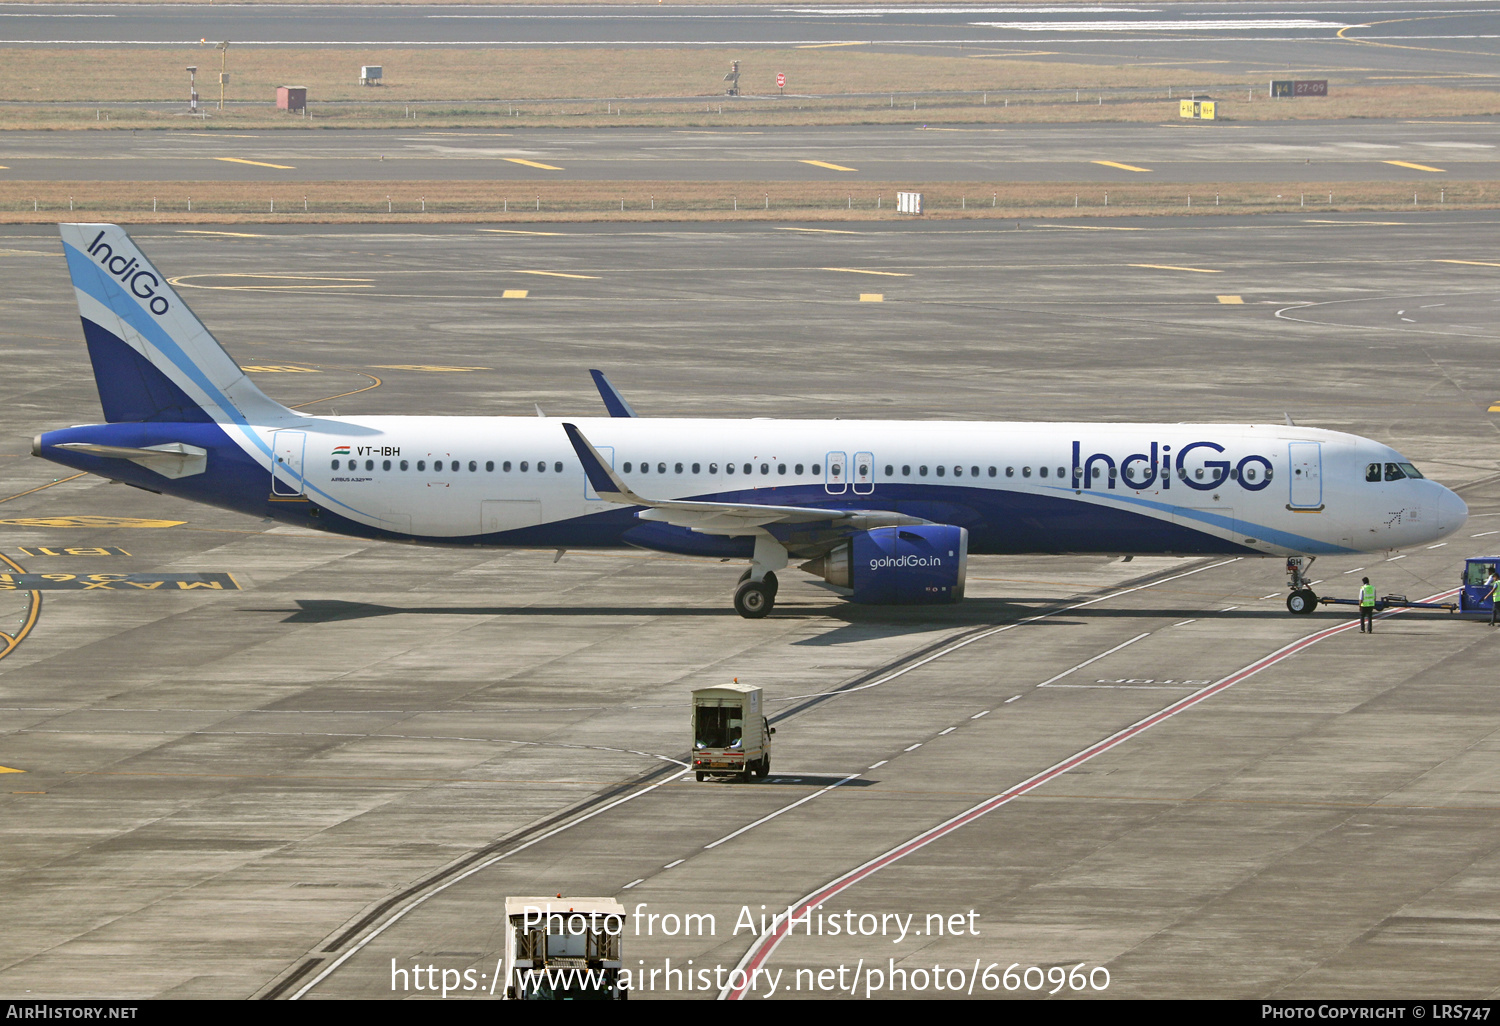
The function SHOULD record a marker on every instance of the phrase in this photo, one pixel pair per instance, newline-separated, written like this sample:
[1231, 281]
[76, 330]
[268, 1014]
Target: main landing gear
[756, 594]
[1303, 599]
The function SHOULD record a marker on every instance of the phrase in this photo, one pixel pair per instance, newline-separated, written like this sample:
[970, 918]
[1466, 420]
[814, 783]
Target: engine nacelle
[899, 565]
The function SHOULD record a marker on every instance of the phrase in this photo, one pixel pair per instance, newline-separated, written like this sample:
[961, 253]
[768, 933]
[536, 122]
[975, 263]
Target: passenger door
[286, 472]
[1306, 472]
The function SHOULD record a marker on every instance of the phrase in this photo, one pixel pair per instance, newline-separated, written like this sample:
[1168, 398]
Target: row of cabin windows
[454, 465]
[1251, 473]
[1393, 471]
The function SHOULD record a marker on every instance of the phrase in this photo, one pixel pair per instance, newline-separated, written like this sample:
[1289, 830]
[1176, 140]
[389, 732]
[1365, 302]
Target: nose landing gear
[1302, 599]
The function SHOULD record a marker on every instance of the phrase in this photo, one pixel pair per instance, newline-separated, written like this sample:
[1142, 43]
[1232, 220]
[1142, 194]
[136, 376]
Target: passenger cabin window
[1025, 471]
[889, 470]
[335, 464]
[489, 466]
[403, 464]
[696, 467]
[369, 464]
[1010, 471]
[798, 469]
[1042, 471]
[974, 471]
[505, 467]
[1062, 471]
[958, 471]
[817, 468]
[729, 468]
[525, 466]
[713, 468]
[921, 471]
[746, 468]
[992, 472]
[905, 470]
[781, 468]
[765, 468]
[473, 466]
[421, 464]
[676, 469]
[941, 471]
[557, 467]
[541, 466]
[661, 468]
[386, 465]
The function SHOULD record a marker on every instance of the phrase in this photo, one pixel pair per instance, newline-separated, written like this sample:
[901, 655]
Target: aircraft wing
[614, 402]
[727, 518]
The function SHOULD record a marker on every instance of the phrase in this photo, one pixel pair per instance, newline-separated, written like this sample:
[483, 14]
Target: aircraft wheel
[772, 583]
[754, 599]
[745, 576]
[1302, 602]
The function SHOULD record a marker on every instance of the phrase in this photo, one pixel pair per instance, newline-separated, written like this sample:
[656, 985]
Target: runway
[276, 786]
[1342, 151]
[1431, 37]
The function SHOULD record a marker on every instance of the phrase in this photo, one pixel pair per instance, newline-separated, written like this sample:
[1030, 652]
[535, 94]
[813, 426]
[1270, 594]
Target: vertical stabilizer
[153, 359]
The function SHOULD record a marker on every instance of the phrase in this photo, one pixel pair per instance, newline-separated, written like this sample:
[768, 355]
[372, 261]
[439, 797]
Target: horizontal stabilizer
[170, 459]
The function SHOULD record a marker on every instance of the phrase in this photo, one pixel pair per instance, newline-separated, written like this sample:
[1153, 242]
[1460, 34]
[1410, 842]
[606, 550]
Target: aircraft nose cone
[1452, 511]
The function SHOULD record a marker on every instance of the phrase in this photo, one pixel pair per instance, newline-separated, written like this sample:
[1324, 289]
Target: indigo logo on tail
[141, 282]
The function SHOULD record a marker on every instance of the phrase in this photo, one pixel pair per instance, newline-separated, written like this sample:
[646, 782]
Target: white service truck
[731, 737]
[563, 949]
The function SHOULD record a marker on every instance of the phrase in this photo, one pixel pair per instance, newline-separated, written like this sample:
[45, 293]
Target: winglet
[600, 476]
[614, 402]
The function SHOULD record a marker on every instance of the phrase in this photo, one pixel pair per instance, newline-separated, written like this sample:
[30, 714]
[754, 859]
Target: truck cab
[731, 736]
[1474, 596]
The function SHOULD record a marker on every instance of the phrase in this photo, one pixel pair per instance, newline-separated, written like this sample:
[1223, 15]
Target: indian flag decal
[342, 450]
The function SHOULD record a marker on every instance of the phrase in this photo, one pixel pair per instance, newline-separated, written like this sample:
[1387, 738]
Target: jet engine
[899, 565]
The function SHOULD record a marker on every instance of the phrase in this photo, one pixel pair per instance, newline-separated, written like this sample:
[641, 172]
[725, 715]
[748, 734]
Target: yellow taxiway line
[257, 163]
[1415, 167]
[857, 270]
[1122, 167]
[531, 163]
[1173, 267]
[831, 167]
[1232, 300]
[1472, 263]
[559, 274]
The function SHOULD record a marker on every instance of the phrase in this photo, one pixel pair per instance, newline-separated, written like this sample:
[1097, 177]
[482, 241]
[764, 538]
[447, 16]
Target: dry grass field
[496, 202]
[91, 89]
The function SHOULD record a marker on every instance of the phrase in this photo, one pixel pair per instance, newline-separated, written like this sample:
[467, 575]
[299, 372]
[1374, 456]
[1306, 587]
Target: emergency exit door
[835, 473]
[862, 469]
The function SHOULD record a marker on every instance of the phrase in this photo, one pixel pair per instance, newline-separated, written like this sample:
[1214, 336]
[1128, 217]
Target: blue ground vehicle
[1475, 595]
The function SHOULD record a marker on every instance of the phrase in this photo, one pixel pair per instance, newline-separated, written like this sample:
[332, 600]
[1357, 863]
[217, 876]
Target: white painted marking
[1484, 534]
[1101, 655]
[763, 947]
[669, 865]
[879, 764]
[1185, 623]
[1228, 609]
[633, 883]
[913, 748]
[1012, 626]
[1272, 595]
[1359, 568]
[786, 808]
[1438, 545]
[398, 916]
[1010, 700]
[948, 731]
[987, 712]
[1394, 558]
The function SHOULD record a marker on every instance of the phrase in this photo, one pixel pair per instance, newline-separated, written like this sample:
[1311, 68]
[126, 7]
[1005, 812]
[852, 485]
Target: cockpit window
[1372, 472]
[1410, 470]
[1393, 472]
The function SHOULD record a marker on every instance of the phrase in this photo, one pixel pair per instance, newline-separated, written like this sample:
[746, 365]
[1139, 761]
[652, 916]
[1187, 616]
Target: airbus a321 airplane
[882, 511]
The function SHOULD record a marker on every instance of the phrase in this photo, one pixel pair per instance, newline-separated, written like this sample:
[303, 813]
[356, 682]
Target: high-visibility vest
[1367, 595]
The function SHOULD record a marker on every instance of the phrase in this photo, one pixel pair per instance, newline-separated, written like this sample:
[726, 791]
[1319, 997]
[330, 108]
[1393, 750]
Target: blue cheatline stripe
[93, 281]
[1285, 539]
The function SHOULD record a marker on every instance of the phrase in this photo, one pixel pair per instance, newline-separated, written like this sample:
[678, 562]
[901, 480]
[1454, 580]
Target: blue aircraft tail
[153, 359]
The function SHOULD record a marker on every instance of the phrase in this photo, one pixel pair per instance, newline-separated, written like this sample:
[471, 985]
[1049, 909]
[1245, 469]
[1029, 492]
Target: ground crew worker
[1494, 596]
[1366, 607]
